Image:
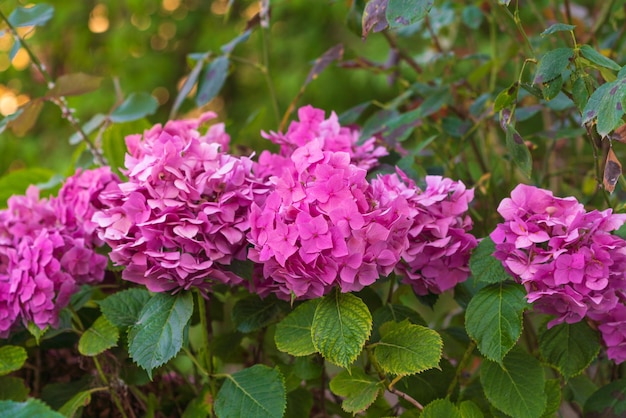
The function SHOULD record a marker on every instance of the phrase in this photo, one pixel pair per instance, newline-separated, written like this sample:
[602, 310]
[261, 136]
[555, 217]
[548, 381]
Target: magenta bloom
[182, 216]
[570, 264]
[47, 249]
[440, 244]
[321, 227]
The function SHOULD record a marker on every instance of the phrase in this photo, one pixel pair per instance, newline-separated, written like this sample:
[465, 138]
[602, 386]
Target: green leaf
[552, 64]
[253, 313]
[558, 27]
[578, 389]
[212, 80]
[30, 409]
[359, 389]
[441, 408]
[136, 106]
[99, 337]
[597, 58]
[74, 85]
[114, 141]
[469, 409]
[472, 16]
[519, 151]
[228, 48]
[506, 98]
[517, 386]
[580, 93]
[484, 266]
[608, 401]
[258, 391]
[7, 121]
[13, 389]
[605, 105]
[429, 385]
[36, 332]
[37, 15]
[299, 403]
[190, 81]
[159, 332]
[122, 309]
[71, 407]
[341, 325]
[405, 348]
[12, 358]
[199, 407]
[406, 12]
[569, 348]
[396, 313]
[553, 394]
[293, 333]
[494, 318]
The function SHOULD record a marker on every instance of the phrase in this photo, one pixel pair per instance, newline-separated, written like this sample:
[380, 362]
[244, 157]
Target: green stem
[518, 24]
[266, 72]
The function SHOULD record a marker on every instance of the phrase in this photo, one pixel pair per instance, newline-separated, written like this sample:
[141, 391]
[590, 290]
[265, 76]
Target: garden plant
[383, 208]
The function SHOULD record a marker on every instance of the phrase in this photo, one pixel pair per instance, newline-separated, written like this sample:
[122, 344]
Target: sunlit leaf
[358, 388]
[12, 358]
[99, 337]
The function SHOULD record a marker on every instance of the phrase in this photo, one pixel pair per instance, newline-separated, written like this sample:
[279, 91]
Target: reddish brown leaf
[612, 171]
[374, 17]
[74, 84]
[619, 134]
[334, 53]
[28, 117]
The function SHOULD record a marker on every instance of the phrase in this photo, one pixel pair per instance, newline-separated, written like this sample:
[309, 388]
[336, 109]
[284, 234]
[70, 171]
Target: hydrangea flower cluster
[325, 225]
[47, 249]
[439, 242]
[183, 214]
[570, 264]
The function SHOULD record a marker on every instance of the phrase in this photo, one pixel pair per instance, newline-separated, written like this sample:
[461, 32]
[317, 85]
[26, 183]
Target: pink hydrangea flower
[321, 227]
[182, 216]
[437, 256]
[570, 264]
[47, 249]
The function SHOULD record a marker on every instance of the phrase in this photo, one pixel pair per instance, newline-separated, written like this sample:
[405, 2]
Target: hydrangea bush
[407, 257]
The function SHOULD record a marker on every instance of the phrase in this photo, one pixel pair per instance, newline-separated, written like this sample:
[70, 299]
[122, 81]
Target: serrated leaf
[494, 318]
[74, 84]
[253, 313]
[552, 64]
[158, 334]
[608, 401]
[406, 12]
[77, 401]
[569, 348]
[553, 395]
[12, 358]
[333, 54]
[605, 105]
[37, 15]
[122, 309]
[99, 337]
[597, 58]
[293, 333]
[341, 325]
[405, 348]
[136, 106]
[396, 313]
[517, 386]
[519, 151]
[374, 17]
[558, 27]
[212, 80]
[358, 388]
[484, 266]
[29, 409]
[441, 408]
[13, 389]
[469, 409]
[258, 391]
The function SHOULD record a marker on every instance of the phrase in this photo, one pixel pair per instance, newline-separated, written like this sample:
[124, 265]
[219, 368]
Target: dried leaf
[374, 17]
[619, 134]
[612, 171]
